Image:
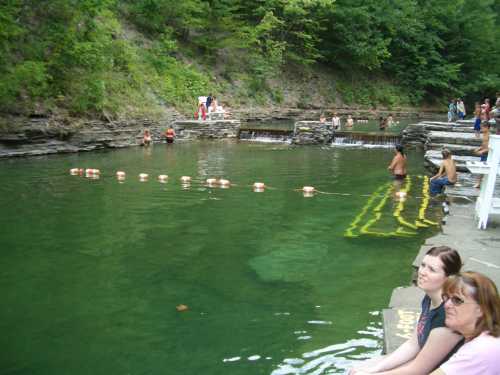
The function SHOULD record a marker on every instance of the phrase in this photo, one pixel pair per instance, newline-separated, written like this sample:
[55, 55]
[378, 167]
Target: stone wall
[312, 133]
[41, 136]
[218, 129]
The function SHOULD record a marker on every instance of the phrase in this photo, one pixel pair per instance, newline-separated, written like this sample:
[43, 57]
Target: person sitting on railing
[447, 174]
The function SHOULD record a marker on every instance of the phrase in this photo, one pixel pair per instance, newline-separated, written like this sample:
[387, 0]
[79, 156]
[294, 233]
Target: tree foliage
[81, 55]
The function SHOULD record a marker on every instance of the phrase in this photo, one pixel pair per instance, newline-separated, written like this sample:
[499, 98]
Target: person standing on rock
[335, 121]
[451, 111]
[482, 151]
[447, 174]
[477, 119]
[209, 100]
[461, 109]
[398, 164]
[349, 122]
[432, 343]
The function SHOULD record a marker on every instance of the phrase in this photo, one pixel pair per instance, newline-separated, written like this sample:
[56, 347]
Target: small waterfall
[266, 136]
[366, 140]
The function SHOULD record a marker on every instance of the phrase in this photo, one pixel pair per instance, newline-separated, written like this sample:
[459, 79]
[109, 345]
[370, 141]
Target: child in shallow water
[146, 141]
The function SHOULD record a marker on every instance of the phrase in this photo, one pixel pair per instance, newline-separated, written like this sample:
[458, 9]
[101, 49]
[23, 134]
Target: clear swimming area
[92, 270]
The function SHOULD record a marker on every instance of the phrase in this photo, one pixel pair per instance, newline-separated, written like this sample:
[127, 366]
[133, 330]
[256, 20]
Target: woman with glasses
[472, 307]
[432, 343]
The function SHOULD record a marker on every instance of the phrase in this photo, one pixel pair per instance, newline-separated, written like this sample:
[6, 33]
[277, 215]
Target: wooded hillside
[131, 57]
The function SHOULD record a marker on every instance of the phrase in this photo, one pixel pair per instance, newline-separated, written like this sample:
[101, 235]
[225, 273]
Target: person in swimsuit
[482, 151]
[447, 174]
[147, 140]
[398, 164]
[170, 135]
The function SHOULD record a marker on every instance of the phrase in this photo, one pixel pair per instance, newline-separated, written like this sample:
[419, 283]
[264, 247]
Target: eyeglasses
[455, 300]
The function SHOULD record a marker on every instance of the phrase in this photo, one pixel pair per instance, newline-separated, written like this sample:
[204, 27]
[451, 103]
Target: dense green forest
[132, 57]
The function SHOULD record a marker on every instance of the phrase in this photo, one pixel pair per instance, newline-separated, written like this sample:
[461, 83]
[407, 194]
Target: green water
[92, 270]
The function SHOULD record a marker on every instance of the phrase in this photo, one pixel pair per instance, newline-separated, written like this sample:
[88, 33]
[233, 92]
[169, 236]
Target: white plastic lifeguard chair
[486, 203]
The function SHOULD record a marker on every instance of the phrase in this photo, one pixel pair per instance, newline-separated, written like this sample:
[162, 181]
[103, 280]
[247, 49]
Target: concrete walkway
[479, 249]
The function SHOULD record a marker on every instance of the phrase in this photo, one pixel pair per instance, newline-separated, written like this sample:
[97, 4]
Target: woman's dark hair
[400, 149]
[452, 263]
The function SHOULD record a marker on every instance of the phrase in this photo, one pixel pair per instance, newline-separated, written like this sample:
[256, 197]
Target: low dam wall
[312, 132]
[218, 129]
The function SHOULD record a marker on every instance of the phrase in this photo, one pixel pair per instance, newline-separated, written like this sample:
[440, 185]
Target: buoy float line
[309, 191]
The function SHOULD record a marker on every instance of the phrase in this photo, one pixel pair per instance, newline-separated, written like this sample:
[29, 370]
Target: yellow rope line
[350, 231]
[422, 220]
[400, 207]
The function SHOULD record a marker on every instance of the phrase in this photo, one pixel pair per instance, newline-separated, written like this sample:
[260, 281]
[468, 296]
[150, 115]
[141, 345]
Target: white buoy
[224, 183]
[120, 175]
[211, 181]
[162, 178]
[258, 187]
[186, 179]
[143, 177]
[308, 191]
[75, 171]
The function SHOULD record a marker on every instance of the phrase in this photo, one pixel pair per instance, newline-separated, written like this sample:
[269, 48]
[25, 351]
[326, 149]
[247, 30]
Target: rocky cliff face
[24, 136]
[40, 136]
